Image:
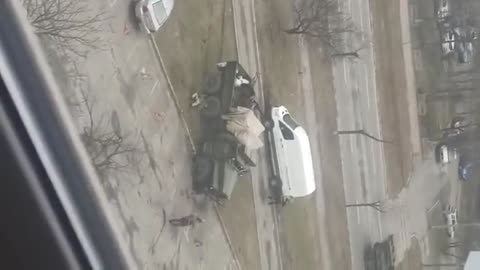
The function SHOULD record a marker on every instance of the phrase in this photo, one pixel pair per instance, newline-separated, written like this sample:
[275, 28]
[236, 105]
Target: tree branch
[72, 24]
[362, 132]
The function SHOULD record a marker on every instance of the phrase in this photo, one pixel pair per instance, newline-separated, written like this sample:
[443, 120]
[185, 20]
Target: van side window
[290, 122]
[286, 132]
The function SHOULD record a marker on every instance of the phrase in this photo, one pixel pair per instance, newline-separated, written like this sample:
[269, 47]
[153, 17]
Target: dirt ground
[201, 40]
[390, 73]
[239, 217]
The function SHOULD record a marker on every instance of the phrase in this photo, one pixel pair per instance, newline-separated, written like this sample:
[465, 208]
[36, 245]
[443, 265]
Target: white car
[443, 9]
[292, 157]
[446, 154]
[451, 220]
[152, 14]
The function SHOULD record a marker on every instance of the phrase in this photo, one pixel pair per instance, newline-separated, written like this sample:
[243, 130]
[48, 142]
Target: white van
[291, 157]
[152, 14]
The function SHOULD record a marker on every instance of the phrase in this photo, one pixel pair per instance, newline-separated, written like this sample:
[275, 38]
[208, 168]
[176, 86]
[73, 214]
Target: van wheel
[268, 124]
[202, 171]
[211, 107]
[275, 183]
[213, 83]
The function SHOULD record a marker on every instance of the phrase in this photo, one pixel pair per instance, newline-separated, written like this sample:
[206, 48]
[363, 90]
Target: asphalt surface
[363, 160]
[266, 215]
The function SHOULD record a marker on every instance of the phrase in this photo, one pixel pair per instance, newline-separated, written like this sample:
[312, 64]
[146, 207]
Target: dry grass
[392, 93]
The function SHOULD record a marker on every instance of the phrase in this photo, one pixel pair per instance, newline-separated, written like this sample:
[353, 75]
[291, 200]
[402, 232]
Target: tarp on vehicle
[245, 126]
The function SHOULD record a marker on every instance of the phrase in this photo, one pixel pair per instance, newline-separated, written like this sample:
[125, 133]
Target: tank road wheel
[268, 124]
[211, 107]
[276, 185]
[213, 83]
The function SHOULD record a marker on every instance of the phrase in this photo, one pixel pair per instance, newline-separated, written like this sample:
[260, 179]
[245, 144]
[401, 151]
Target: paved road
[310, 112]
[363, 159]
[267, 218]
[266, 215]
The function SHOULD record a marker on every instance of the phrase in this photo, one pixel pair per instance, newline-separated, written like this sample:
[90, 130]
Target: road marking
[366, 164]
[153, 87]
[362, 26]
[379, 224]
[344, 70]
[350, 141]
[365, 72]
[372, 152]
[358, 213]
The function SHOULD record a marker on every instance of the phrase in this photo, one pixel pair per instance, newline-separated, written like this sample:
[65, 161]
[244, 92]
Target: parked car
[445, 154]
[450, 214]
[152, 14]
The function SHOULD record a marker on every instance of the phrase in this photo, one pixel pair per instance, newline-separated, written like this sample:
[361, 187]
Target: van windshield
[290, 122]
[159, 11]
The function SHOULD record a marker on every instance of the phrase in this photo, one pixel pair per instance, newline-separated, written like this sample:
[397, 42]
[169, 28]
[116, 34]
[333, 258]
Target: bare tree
[377, 205]
[109, 149]
[73, 25]
[361, 132]
[351, 52]
[322, 19]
